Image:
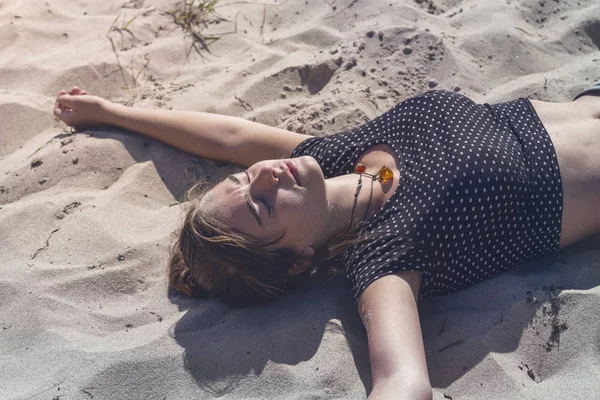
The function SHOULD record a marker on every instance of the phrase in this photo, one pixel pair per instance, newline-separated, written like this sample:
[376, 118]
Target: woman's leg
[575, 132]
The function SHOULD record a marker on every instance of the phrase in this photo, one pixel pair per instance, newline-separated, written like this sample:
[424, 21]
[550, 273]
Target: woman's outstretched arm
[388, 309]
[214, 136]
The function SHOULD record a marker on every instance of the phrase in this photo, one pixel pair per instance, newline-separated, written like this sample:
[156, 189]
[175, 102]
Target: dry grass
[193, 16]
[137, 66]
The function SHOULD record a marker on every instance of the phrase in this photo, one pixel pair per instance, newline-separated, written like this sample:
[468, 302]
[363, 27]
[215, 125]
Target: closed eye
[253, 211]
[268, 207]
[262, 200]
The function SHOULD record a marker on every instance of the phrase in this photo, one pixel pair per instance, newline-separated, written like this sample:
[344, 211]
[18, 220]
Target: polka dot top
[479, 192]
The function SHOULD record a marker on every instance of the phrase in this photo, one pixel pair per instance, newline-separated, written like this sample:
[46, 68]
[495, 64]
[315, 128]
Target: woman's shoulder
[435, 97]
[387, 254]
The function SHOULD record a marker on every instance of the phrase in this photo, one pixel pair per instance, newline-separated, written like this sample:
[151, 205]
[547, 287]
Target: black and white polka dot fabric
[479, 192]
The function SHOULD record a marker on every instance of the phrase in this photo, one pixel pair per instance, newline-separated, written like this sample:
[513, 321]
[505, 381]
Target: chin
[313, 166]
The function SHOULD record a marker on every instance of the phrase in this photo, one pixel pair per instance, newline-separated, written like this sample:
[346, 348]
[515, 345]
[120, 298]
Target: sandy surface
[86, 218]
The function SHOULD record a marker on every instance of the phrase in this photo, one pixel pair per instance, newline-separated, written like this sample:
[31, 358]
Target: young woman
[433, 196]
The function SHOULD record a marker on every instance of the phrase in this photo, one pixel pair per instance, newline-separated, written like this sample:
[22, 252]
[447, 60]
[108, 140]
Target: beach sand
[87, 218]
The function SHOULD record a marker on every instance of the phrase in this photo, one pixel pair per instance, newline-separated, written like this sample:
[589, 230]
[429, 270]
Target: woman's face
[272, 199]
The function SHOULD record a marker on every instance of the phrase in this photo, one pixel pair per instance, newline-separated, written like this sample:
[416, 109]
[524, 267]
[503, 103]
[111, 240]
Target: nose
[265, 178]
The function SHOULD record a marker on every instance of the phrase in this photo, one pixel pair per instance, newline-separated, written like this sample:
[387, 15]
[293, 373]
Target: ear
[303, 261]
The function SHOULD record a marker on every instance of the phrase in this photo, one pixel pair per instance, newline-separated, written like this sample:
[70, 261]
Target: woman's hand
[78, 109]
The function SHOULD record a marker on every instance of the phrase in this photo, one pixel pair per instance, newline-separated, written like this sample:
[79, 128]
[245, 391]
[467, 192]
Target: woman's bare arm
[388, 309]
[214, 136]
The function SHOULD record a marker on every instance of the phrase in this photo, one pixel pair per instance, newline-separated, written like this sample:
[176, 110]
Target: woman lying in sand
[433, 196]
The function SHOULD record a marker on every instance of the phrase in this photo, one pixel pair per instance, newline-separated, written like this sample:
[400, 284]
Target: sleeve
[337, 153]
[329, 151]
[309, 147]
[383, 256]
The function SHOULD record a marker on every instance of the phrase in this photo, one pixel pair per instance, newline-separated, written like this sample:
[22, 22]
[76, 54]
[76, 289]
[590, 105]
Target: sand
[86, 218]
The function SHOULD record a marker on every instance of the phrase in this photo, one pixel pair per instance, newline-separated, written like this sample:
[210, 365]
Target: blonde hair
[209, 259]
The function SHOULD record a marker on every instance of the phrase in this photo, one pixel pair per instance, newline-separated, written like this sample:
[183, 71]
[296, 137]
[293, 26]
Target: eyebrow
[235, 180]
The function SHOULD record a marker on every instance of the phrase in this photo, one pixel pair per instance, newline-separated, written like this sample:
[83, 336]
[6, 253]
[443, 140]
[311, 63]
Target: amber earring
[383, 174]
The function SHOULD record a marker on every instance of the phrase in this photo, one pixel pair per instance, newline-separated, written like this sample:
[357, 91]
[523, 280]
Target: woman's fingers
[61, 112]
[75, 91]
[58, 107]
[56, 103]
[66, 100]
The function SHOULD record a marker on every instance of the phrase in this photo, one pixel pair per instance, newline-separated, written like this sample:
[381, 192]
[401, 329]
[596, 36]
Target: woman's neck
[341, 192]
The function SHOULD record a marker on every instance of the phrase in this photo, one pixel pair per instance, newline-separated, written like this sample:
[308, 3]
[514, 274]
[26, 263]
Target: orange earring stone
[383, 174]
[360, 168]
[386, 173]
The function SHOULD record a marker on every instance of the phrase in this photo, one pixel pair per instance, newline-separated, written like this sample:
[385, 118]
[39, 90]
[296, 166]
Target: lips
[292, 167]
